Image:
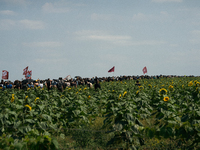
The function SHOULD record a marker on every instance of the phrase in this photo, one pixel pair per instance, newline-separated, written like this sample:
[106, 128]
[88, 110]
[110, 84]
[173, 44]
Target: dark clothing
[48, 85]
[60, 86]
[97, 85]
[137, 84]
[17, 86]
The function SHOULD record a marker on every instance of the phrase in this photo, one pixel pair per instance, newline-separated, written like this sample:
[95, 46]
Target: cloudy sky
[88, 37]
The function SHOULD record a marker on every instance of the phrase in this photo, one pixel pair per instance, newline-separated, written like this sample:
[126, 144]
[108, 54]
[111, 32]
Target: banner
[25, 70]
[5, 74]
[67, 77]
[144, 70]
[28, 74]
[112, 69]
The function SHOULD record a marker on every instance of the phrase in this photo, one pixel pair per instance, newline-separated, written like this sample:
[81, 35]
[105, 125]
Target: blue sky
[88, 37]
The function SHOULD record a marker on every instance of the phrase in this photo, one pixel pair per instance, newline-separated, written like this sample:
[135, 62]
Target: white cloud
[162, 1]
[7, 24]
[7, 12]
[148, 42]
[114, 58]
[54, 8]
[32, 24]
[140, 17]
[17, 2]
[195, 37]
[109, 37]
[103, 36]
[122, 40]
[49, 44]
[95, 16]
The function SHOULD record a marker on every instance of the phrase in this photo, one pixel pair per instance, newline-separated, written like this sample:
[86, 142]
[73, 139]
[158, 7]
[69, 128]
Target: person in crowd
[137, 83]
[9, 85]
[40, 84]
[1, 84]
[17, 85]
[31, 85]
[97, 85]
[73, 83]
[48, 84]
[60, 85]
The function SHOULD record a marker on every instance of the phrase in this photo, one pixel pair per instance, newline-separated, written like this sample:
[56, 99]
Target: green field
[160, 114]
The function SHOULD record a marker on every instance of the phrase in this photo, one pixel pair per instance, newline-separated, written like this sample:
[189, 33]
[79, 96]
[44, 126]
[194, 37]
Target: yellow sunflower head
[190, 83]
[119, 96]
[150, 86]
[30, 108]
[39, 98]
[89, 97]
[197, 83]
[124, 93]
[163, 91]
[166, 98]
[171, 88]
[12, 99]
[137, 92]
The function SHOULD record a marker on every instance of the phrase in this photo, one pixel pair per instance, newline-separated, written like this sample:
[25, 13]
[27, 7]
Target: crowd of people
[61, 84]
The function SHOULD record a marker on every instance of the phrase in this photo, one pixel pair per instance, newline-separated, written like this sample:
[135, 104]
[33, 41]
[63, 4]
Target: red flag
[5, 74]
[112, 69]
[28, 74]
[25, 70]
[144, 70]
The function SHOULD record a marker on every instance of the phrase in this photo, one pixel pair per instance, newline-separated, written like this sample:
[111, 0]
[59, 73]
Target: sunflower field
[160, 114]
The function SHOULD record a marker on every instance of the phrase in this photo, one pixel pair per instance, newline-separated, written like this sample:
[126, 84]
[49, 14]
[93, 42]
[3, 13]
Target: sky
[88, 37]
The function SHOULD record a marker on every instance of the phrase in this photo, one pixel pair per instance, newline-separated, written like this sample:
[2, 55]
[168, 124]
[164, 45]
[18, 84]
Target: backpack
[59, 85]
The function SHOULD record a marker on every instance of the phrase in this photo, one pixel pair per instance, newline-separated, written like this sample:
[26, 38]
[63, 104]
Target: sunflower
[190, 83]
[119, 96]
[137, 92]
[76, 92]
[89, 97]
[39, 98]
[197, 83]
[163, 91]
[166, 98]
[141, 87]
[124, 93]
[13, 98]
[30, 108]
[171, 88]
[80, 89]
[26, 97]
[150, 86]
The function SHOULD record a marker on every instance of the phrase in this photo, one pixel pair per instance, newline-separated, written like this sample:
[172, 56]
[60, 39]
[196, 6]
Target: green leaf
[55, 142]
[184, 118]
[118, 126]
[47, 117]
